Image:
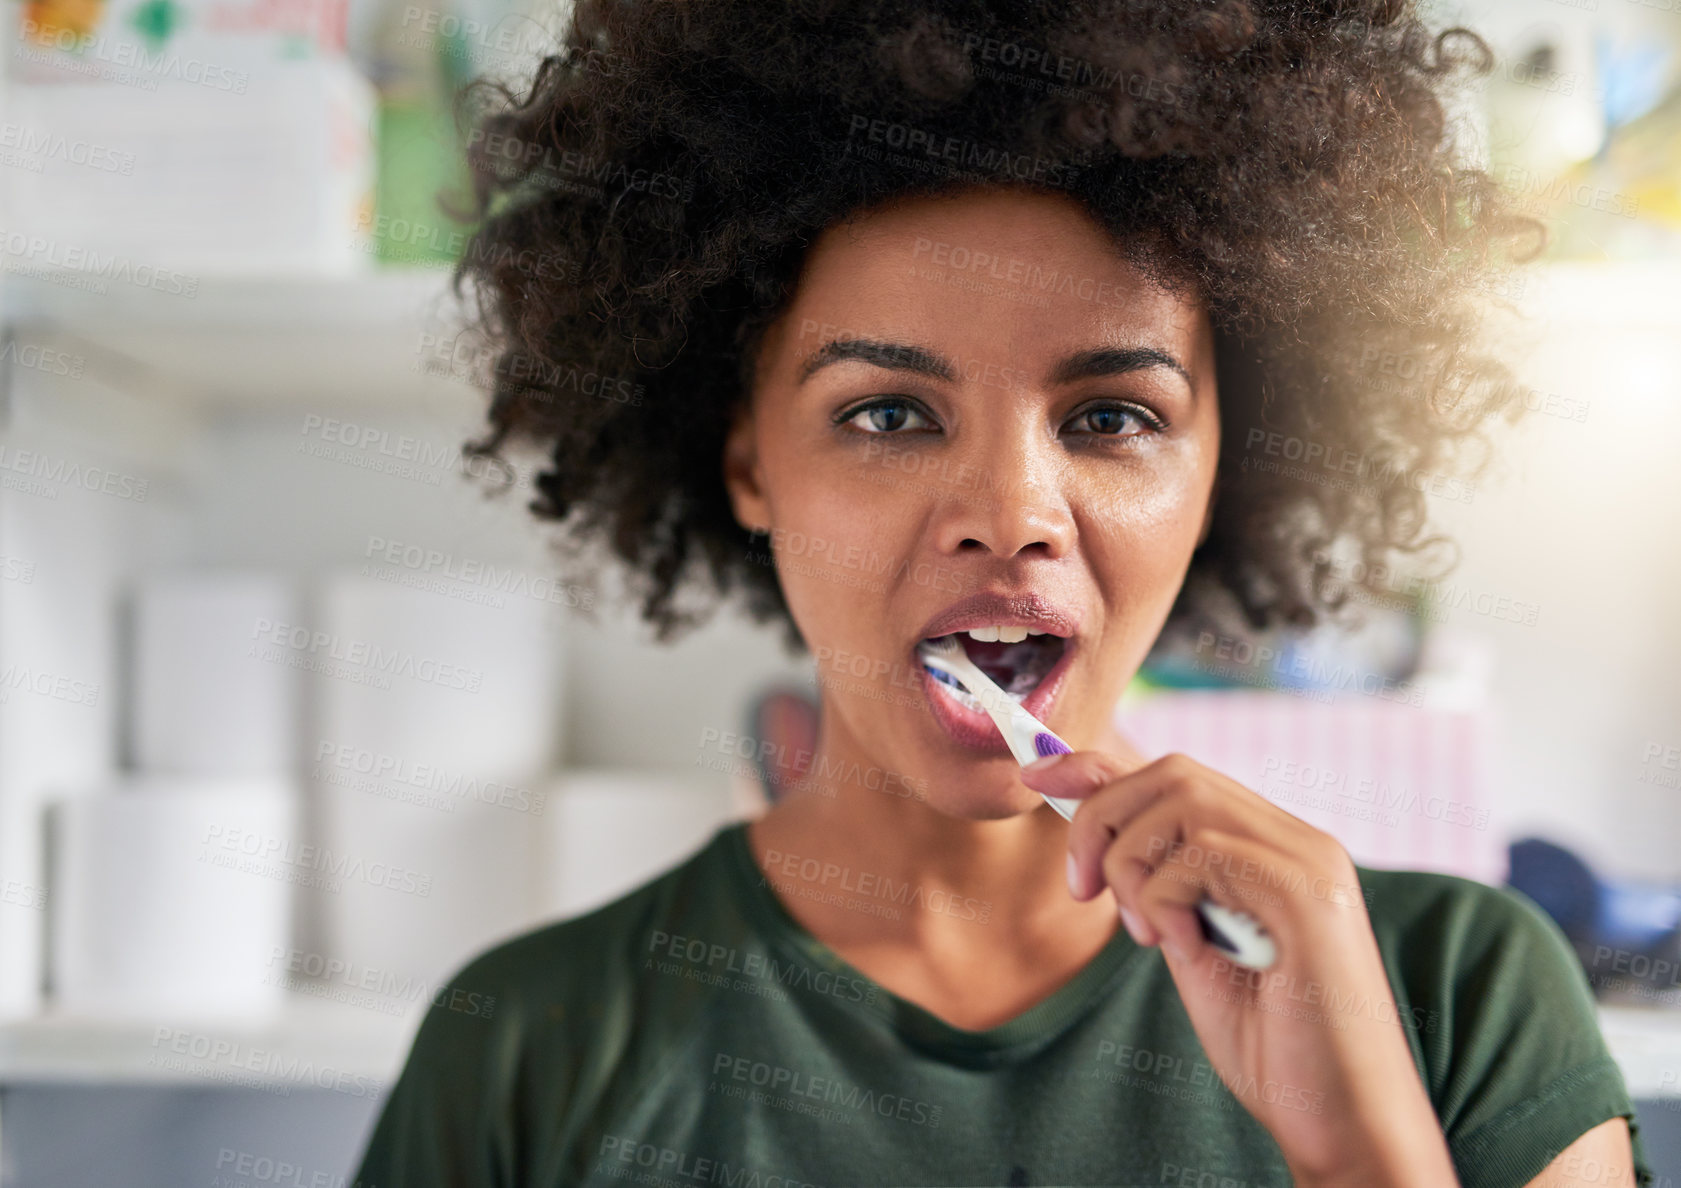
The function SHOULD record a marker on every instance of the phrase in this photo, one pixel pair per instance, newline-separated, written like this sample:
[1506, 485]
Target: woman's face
[974, 415]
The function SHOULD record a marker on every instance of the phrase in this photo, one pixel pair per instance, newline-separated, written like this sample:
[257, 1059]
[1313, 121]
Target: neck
[882, 840]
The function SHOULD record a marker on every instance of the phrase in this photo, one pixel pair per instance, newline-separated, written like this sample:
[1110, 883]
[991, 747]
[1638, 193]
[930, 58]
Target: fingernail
[1073, 877]
[1133, 927]
[1044, 764]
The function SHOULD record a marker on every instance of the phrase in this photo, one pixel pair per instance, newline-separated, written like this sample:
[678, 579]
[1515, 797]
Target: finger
[1164, 903]
[1099, 821]
[1107, 813]
[1076, 775]
[1132, 855]
[1154, 841]
[1207, 797]
[1228, 868]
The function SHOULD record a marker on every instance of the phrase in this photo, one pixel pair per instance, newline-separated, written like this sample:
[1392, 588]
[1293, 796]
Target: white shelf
[322, 1044]
[1646, 1042]
[254, 341]
[355, 340]
[314, 1044]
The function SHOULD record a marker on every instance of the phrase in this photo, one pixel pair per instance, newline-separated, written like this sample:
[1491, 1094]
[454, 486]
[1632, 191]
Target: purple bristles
[1049, 744]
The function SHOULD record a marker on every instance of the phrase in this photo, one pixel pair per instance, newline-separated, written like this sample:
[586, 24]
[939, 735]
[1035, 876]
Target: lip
[974, 729]
[987, 608]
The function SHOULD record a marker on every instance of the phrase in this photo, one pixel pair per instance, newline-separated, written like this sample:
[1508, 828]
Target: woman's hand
[1313, 1046]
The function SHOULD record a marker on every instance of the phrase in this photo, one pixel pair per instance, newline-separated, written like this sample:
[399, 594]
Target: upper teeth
[1001, 634]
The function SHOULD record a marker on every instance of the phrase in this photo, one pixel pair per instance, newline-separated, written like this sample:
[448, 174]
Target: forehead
[993, 272]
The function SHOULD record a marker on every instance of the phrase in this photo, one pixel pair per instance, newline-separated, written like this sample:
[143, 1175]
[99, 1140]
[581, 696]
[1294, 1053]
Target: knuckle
[1338, 857]
[1161, 766]
[1187, 766]
[1206, 837]
[1119, 871]
[1159, 849]
[1325, 847]
[1186, 778]
[1199, 794]
[1087, 830]
[1112, 770]
[1177, 764]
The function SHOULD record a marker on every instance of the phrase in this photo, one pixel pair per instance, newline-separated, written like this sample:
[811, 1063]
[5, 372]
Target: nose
[1014, 507]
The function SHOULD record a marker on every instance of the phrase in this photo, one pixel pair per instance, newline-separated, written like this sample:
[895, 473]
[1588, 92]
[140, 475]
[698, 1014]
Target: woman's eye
[1115, 420]
[888, 416]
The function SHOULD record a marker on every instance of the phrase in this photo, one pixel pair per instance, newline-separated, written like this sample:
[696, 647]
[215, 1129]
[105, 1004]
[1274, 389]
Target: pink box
[1400, 786]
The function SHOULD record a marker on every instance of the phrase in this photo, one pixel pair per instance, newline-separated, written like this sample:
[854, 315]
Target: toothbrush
[1235, 933]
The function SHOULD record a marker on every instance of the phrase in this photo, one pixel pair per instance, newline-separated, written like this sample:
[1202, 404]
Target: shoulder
[1426, 915]
[1474, 962]
[1501, 1019]
[1441, 928]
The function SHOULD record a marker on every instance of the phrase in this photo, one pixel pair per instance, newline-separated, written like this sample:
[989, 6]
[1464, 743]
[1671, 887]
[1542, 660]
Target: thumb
[1077, 775]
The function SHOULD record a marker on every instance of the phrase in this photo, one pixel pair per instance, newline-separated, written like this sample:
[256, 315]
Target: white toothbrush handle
[1023, 732]
[1245, 941]
[1235, 933]
[1062, 805]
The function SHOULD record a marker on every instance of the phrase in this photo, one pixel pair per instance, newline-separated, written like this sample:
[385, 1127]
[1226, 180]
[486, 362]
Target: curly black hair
[641, 208]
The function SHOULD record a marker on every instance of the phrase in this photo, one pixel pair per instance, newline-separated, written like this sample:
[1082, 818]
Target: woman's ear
[743, 476]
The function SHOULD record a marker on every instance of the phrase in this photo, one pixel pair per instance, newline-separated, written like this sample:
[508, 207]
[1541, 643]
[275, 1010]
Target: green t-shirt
[692, 1032]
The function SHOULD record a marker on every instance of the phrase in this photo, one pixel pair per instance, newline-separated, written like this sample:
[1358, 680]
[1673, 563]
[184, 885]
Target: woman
[907, 320]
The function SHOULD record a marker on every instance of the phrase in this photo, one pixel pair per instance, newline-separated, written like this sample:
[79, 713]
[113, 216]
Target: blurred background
[297, 711]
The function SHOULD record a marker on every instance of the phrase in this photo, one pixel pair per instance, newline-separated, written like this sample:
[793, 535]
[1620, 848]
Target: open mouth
[1016, 659]
[1026, 644]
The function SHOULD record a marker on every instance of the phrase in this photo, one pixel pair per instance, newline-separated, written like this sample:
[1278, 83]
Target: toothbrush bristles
[957, 686]
[947, 648]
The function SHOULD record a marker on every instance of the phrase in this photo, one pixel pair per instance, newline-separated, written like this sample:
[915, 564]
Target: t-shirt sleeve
[1515, 1061]
[445, 1123]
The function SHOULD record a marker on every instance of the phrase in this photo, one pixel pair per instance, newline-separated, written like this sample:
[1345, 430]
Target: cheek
[1138, 534]
[837, 541]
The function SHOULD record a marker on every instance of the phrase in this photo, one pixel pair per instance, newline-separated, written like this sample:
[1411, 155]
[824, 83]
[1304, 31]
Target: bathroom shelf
[312, 1044]
[254, 341]
[320, 1044]
[355, 340]
[1646, 1042]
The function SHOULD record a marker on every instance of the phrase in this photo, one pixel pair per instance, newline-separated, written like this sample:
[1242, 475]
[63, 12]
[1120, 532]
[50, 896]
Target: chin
[985, 798]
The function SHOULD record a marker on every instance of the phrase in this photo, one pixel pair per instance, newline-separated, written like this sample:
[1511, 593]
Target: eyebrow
[895, 356]
[1117, 361]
